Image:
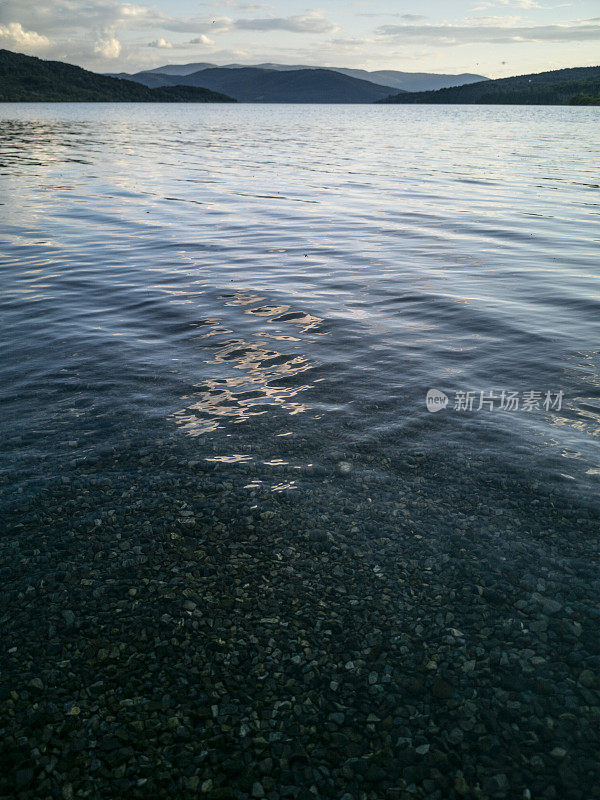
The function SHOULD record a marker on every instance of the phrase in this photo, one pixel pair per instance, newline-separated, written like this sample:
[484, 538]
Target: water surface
[283, 284]
[236, 545]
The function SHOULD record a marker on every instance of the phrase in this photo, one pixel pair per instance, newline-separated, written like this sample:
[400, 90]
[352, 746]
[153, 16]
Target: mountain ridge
[407, 81]
[257, 85]
[554, 87]
[30, 79]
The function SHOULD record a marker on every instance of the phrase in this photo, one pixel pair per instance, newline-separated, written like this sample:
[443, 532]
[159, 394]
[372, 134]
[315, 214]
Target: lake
[221, 325]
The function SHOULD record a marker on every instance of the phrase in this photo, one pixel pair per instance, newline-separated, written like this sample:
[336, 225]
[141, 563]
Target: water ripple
[254, 280]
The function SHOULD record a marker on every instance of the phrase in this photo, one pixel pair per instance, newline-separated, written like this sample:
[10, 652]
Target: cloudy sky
[490, 37]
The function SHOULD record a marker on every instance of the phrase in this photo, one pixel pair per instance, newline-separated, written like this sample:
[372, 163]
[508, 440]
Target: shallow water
[283, 284]
[236, 545]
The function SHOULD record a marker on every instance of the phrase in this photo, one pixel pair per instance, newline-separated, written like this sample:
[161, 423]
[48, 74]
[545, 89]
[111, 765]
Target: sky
[495, 38]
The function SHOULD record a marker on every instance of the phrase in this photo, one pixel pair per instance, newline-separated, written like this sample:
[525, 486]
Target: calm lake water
[281, 285]
[235, 540]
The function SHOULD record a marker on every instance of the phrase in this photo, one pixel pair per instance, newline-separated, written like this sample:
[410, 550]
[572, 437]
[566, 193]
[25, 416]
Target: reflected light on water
[267, 379]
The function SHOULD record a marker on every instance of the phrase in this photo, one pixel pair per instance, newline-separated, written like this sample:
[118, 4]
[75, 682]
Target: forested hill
[257, 85]
[576, 86]
[28, 79]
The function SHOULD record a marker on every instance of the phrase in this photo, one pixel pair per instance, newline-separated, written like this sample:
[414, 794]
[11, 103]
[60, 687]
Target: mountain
[558, 87]
[154, 80]
[412, 81]
[29, 79]
[408, 81]
[182, 69]
[256, 85]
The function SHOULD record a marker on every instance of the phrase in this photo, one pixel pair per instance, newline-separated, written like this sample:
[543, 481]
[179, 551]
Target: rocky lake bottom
[168, 632]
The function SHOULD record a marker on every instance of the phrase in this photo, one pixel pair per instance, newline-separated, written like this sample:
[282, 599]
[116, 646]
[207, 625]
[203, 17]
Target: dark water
[236, 545]
[282, 285]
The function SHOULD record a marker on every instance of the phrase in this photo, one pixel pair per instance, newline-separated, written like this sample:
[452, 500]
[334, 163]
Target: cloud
[91, 32]
[193, 24]
[164, 44]
[110, 16]
[477, 33]
[527, 4]
[161, 44]
[14, 37]
[310, 22]
[349, 42]
[405, 17]
[64, 15]
[108, 48]
[102, 16]
[99, 34]
[242, 6]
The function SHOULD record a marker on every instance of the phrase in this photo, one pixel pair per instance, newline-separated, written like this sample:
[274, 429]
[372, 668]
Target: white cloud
[492, 22]
[14, 37]
[242, 6]
[105, 16]
[479, 32]
[164, 44]
[349, 43]
[527, 4]
[161, 44]
[108, 48]
[311, 22]
[192, 25]
[405, 17]
[65, 15]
